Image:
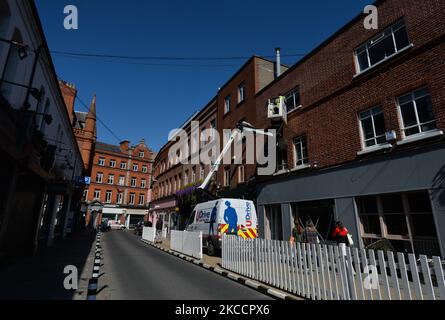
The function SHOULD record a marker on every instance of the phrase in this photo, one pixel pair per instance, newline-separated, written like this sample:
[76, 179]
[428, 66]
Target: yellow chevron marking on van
[249, 232]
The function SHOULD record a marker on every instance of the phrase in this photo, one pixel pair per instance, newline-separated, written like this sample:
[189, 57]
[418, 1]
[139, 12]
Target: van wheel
[211, 251]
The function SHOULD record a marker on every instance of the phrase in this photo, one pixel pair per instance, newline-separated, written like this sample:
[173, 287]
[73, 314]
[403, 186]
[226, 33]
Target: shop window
[404, 220]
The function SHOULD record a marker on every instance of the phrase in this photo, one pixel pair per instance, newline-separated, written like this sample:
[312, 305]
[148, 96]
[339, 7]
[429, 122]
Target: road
[133, 270]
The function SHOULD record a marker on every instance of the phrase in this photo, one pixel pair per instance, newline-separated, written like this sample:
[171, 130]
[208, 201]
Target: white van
[230, 216]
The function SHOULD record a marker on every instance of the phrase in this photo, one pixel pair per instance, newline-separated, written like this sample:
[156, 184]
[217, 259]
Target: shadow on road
[41, 277]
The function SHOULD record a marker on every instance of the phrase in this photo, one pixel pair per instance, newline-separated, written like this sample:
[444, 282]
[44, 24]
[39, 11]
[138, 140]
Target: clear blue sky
[147, 101]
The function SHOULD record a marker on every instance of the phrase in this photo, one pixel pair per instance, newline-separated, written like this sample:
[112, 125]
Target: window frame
[227, 104]
[305, 161]
[242, 92]
[293, 94]
[418, 124]
[362, 131]
[376, 39]
[109, 196]
[101, 162]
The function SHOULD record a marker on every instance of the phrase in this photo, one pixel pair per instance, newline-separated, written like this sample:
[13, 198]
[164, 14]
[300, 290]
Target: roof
[107, 147]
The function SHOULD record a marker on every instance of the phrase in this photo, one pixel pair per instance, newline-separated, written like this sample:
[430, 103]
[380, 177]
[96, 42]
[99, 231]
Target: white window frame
[111, 179]
[135, 168]
[292, 94]
[418, 124]
[227, 181]
[96, 194]
[141, 199]
[113, 163]
[143, 183]
[123, 165]
[227, 104]
[362, 131]
[241, 174]
[376, 39]
[141, 154]
[144, 169]
[101, 162]
[108, 196]
[120, 197]
[134, 182]
[242, 92]
[99, 177]
[122, 180]
[305, 161]
[132, 198]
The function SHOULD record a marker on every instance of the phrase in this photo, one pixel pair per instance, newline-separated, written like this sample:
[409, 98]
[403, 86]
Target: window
[202, 173]
[213, 127]
[135, 167]
[372, 124]
[102, 162]
[194, 175]
[96, 194]
[241, 174]
[99, 177]
[416, 112]
[123, 165]
[133, 182]
[227, 105]
[382, 46]
[132, 195]
[186, 178]
[120, 197]
[141, 199]
[141, 154]
[85, 194]
[292, 99]
[122, 180]
[144, 169]
[111, 179]
[227, 177]
[143, 183]
[301, 157]
[113, 163]
[241, 92]
[405, 221]
[108, 196]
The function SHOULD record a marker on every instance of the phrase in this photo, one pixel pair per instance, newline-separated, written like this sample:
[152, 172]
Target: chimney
[125, 145]
[278, 51]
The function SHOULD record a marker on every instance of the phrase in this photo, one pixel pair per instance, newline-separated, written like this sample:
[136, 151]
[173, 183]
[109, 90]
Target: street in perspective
[252, 153]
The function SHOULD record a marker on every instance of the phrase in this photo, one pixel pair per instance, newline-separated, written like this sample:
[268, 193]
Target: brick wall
[332, 96]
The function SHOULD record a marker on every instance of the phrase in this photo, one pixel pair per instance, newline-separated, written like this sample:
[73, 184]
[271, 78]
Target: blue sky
[147, 99]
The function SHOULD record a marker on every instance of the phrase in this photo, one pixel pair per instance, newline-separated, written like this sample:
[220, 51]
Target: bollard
[92, 289]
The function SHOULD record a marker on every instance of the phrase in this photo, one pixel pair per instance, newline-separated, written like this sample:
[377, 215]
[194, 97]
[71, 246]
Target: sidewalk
[41, 277]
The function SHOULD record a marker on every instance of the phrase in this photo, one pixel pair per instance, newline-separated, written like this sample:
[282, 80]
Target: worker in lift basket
[231, 218]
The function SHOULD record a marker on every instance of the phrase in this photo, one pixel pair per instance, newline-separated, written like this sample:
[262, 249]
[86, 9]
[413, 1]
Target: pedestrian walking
[310, 234]
[341, 234]
[297, 233]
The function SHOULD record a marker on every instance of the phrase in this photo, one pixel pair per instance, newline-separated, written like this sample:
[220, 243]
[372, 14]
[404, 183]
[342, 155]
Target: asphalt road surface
[133, 270]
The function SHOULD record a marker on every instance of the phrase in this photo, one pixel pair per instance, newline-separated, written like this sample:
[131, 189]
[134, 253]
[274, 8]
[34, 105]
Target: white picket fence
[323, 272]
[149, 234]
[189, 243]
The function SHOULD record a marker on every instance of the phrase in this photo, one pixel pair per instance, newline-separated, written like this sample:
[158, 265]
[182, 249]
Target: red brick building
[120, 183]
[172, 177]
[365, 134]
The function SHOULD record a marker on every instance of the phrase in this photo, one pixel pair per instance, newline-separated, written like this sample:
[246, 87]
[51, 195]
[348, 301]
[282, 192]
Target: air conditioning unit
[276, 108]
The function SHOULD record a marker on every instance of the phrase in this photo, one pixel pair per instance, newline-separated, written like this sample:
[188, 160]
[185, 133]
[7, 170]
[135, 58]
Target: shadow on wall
[439, 186]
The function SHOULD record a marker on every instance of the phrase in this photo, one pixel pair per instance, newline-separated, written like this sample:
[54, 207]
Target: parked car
[138, 228]
[230, 216]
[115, 225]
